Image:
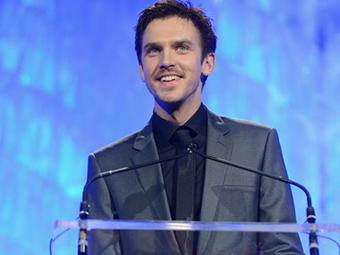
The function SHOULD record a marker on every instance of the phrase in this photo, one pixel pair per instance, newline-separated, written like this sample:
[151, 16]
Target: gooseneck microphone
[84, 205]
[311, 218]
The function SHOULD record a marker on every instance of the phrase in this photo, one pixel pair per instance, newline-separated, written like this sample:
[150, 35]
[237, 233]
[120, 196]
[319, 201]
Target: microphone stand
[311, 218]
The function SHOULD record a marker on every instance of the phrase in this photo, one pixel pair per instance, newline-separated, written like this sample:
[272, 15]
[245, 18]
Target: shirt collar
[163, 129]
[198, 121]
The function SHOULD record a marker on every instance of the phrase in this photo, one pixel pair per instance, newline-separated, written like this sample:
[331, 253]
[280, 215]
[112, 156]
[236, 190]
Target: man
[175, 45]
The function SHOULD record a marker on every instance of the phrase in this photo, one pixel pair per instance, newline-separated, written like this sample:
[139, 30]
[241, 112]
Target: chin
[168, 98]
[168, 101]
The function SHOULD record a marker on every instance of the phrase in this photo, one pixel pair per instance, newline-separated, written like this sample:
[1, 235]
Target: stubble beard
[170, 104]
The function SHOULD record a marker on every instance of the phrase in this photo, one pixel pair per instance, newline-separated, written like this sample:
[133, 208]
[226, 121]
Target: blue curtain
[69, 84]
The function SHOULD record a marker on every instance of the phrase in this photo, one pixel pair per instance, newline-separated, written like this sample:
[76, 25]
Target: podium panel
[67, 243]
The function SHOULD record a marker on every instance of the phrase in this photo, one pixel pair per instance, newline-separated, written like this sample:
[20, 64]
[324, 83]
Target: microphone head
[192, 147]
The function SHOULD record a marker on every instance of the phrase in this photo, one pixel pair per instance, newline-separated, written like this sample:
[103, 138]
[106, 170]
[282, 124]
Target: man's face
[172, 61]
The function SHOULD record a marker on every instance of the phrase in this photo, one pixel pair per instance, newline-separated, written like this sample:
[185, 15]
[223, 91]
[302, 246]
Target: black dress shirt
[163, 132]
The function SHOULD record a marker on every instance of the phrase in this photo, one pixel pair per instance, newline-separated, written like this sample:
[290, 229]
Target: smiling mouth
[169, 78]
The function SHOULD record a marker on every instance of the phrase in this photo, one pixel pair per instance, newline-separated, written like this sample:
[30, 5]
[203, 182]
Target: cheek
[150, 67]
[193, 64]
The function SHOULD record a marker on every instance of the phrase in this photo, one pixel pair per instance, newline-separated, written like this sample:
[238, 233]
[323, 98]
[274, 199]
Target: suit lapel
[218, 145]
[152, 183]
[151, 178]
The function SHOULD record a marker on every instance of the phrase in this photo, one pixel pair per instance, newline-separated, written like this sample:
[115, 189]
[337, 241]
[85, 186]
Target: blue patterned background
[69, 84]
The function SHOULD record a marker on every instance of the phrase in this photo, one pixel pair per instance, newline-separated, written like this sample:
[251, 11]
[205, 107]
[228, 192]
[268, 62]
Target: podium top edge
[195, 226]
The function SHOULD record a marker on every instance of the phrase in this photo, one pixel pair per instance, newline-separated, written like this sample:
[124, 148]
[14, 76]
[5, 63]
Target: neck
[177, 113]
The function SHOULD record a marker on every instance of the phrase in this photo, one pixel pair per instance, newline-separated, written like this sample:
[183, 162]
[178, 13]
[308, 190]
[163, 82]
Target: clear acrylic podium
[68, 245]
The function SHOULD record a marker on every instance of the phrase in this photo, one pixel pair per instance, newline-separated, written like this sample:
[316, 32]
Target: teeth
[169, 78]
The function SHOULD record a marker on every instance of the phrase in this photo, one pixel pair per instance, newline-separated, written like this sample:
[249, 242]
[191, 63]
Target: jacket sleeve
[101, 242]
[276, 202]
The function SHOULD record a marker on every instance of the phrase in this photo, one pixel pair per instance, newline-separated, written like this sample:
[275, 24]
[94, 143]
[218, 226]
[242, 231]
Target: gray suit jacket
[229, 194]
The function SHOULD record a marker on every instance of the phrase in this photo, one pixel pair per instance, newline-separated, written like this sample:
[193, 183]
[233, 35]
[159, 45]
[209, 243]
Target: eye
[152, 51]
[182, 48]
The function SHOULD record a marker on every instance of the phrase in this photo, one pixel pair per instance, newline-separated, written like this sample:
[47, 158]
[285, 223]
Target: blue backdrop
[69, 84]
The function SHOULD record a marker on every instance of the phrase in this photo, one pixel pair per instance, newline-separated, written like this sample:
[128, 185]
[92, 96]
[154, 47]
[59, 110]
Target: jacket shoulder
[117, 150]
[246, 125]
[240, 126]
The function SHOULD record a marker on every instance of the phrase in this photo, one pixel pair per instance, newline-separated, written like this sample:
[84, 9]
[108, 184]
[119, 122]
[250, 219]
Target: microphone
[311, 218]
[84, 205]
[82, 240]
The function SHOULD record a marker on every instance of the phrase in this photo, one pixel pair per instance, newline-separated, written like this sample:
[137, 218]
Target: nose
[166, 59]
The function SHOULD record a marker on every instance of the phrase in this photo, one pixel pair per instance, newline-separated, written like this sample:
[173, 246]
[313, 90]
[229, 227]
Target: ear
[208, 64]
[141, 71]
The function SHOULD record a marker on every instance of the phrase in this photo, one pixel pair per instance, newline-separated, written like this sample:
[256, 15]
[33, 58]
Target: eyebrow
[151, 45]
[179, 42]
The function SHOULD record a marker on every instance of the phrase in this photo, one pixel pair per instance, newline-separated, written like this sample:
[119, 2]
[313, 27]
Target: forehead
[171, 29]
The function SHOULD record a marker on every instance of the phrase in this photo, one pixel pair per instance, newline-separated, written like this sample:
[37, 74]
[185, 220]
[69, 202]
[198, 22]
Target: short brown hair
[182, 9]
